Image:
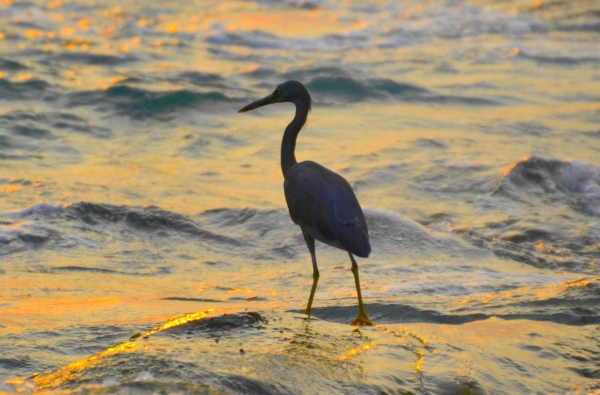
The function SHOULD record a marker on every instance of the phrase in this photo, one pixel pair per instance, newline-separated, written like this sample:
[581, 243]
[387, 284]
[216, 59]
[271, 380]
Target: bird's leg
[362, 318]
[310, 242]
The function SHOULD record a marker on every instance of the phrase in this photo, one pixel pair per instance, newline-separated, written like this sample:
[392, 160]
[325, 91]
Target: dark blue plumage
[320, 201]
[323, 204]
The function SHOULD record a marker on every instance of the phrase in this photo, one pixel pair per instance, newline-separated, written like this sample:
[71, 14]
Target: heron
[320, 201]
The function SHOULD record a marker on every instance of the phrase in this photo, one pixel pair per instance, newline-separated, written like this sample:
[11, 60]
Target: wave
[381, 28]
[260, 73]
[11, 65]
[209, 349]
[538, 248]
[559, 60]
[336, 85]
[394, 313]
[254, 39]
[75, 269]
[140, 104]
[34, 90]
[92, 59]
[200, 79]
[355, 90]
[22, 238]
[45, 125]
[579, 307]
[574, 183]
[352, 90]
[565, 237]
[269, 235]
[149, 219]
[580, 27]
[262, 235]
[185, 299]
[57, 227]
[518, 129]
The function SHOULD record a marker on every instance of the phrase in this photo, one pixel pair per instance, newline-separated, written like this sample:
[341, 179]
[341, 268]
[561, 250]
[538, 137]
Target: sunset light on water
[145, 241]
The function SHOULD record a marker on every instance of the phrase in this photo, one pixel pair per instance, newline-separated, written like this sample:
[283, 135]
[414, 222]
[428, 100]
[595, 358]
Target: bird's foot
[307, 312]
[362, 320]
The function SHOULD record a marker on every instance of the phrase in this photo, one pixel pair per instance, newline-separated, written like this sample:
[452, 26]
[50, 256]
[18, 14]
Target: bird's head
[287, 92]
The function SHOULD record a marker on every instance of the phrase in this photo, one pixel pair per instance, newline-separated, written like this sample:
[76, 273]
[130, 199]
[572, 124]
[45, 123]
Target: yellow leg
[362, 318]
[310, 243]
[312, 294]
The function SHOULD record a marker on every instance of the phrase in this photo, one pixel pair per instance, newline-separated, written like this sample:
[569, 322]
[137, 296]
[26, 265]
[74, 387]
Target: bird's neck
[288, 145]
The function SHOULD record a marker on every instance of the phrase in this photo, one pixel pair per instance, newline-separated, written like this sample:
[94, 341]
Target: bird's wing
[323, 204]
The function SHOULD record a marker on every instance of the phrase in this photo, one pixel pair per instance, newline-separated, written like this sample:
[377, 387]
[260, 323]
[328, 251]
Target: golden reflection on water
[509, 341]
[362, 129]
[352, 352]
[251, 175]
[548, 291]
[10, 189]
[513, 343]
[582, 282]
[73, 371]
[98, 32]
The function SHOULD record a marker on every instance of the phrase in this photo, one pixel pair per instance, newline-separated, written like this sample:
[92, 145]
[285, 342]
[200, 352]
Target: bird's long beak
[259, 103]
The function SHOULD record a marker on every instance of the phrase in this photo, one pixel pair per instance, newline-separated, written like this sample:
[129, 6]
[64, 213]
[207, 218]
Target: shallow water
[145, 244]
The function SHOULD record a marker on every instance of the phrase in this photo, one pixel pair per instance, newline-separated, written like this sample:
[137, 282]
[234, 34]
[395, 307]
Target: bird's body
[320, 201]
[323, 204]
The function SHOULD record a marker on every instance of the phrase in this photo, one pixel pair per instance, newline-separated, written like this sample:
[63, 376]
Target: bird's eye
[278, 91]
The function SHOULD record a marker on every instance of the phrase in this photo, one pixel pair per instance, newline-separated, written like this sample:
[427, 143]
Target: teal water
[145, 244]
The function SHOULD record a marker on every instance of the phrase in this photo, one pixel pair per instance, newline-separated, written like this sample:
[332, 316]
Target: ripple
[140, 104]
[10, 65]
[82, 58]
[33, 90]
[559, 60]
[150, 219]
[329, 85]
[533, 128]
[254, 39]
[34, 133]
[388, 314]
[184, 299]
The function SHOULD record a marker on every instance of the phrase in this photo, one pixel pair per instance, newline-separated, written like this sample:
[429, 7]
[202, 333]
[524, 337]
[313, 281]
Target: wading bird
[320, 201]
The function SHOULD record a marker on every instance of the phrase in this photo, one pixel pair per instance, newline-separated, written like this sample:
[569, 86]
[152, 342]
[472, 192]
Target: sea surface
[145, 243]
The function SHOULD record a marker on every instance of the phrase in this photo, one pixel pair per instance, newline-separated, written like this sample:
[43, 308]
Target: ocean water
[145, 244]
